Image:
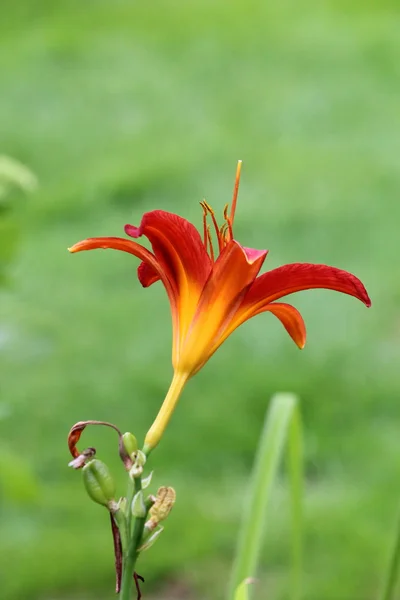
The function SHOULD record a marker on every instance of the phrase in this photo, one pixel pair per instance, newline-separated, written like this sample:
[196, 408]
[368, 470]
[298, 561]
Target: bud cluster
[148, 511]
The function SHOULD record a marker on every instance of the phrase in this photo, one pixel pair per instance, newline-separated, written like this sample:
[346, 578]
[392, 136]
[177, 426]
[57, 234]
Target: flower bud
[138, 506]
[98, 482]
[140, 461]
[130, 443]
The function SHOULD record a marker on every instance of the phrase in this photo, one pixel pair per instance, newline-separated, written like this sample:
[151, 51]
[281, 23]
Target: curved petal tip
[132, 231]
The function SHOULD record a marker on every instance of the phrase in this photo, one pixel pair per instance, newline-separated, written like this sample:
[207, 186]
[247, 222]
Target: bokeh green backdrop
[124, 106]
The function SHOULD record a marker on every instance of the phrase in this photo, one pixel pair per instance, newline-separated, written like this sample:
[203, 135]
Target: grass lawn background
[124, 107]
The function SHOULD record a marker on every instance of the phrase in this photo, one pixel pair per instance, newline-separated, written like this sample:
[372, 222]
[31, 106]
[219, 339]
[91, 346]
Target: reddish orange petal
[180, 252]
[232, 274]
[286, 280]
[288, 315]
[177, 246]
[303, 276]
[116, 243]
[290, 318]
[147, 275]
[234, 271]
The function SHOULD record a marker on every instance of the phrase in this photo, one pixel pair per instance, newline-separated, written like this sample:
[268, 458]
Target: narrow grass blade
[392, 574]
[295, 464]
[282, 422]
[242, 591]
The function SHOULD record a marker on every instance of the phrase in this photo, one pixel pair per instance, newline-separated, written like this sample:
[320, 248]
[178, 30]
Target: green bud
[98, 482]
[150, 540]
[137, 468]
[138, 506]
[130, 443]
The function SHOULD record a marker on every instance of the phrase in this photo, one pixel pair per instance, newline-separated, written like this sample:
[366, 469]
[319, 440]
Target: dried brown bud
[162, 506]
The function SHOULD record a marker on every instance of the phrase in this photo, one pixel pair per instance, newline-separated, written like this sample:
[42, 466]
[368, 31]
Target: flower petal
[290, 318]
[116, 243]
[303, 276]
[288, 315]
[283, 281]
[253, 254]
[147, 275]
[177, 246]
[233, 272]
[180, 252]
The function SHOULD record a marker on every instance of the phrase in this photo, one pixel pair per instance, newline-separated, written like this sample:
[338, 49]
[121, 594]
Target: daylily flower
[214, 290]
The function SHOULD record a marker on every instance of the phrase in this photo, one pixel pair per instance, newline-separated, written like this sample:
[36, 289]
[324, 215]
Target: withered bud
[80, 460]
[162, 506]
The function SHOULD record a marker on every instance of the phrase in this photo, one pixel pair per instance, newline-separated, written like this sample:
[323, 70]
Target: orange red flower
[214, 290]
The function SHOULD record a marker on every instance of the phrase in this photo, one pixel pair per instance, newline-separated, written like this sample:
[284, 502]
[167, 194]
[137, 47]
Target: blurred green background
[120, 107]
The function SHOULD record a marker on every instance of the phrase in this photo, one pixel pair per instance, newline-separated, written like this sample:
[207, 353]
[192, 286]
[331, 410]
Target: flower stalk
[156, 431]
[131, 552]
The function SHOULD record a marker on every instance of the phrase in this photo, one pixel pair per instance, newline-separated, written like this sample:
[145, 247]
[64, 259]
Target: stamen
[211, 212]
[222, 233]
[228, 223]
[235, 191]
[205, 226]
[210, 243]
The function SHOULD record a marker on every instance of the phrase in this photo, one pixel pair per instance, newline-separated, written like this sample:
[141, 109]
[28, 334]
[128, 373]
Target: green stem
[121, 522]
[393, 570]
[131, 554]
[129, 497]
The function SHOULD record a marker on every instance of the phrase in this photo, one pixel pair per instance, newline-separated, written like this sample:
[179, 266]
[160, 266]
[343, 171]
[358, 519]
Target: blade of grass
[392, 573]
[295, 463]
[242, 591]
[282, 422]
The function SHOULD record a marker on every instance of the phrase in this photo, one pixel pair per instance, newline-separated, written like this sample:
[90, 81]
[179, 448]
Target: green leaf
[282, 423]
[392, 573]
[242, 591]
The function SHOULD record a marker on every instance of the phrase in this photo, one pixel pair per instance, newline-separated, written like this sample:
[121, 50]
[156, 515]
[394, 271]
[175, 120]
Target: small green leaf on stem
[151, 539]
[138, 505]
[147, 480]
